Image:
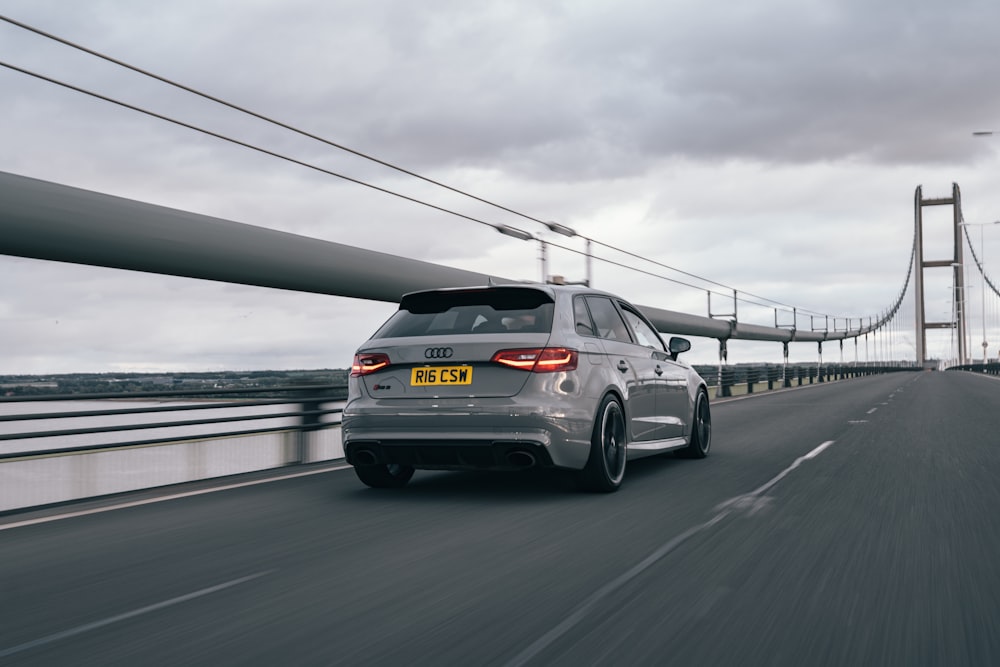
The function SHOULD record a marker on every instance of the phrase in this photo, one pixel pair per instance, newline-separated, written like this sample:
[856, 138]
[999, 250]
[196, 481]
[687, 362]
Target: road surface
[849, 523]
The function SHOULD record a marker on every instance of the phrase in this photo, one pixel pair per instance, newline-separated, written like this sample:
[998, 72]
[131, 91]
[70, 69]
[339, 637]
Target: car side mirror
[679, 345]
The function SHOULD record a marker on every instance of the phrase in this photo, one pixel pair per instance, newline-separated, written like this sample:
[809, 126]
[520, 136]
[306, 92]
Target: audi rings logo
[438, 353]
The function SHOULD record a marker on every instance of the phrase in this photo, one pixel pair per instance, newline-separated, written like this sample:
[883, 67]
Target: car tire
[605, 467]
[384, 476]
[701, 429]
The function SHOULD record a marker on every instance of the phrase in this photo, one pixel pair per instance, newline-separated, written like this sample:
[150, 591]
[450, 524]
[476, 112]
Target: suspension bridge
[849, 517]
[834, 522]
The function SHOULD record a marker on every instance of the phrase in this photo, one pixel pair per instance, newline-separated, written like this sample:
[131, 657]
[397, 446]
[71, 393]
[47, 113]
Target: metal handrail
[309, 399]
[177, 424]
[174, 393]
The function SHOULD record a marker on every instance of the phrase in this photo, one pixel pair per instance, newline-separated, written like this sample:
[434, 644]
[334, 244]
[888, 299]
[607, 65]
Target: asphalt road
[851, 523]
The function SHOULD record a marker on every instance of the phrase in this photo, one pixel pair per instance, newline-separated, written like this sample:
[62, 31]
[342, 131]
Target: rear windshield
[495, 310]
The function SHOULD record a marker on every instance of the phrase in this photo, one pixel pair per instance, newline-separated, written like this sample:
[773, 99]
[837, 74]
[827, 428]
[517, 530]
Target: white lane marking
[857, 421]
[819, 450]
[160, 499]
[580, 612]
[127, 615]
[871, 411]
[723, 510]
[780, 476]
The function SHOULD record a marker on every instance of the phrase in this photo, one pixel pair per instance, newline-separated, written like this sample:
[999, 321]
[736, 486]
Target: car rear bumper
[503, 437]
[453, 455]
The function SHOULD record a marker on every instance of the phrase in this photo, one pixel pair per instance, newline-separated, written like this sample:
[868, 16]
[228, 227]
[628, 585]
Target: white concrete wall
[51, 479]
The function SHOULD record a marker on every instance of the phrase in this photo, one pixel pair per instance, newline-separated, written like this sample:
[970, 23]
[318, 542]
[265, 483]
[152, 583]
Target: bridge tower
[955, 263]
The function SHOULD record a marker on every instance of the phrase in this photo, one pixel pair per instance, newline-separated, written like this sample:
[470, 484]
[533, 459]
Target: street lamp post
[959, 304]
[982, 266]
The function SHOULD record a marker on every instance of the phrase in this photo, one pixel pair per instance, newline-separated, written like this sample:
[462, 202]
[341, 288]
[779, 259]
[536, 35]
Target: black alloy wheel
[701, 428]
[605, 468]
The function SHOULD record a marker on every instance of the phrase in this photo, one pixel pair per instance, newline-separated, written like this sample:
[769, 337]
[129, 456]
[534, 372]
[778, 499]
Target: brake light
[368, 363]
[539, 359]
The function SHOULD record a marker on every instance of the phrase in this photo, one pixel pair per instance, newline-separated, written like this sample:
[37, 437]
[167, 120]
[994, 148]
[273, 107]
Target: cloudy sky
[772, 146]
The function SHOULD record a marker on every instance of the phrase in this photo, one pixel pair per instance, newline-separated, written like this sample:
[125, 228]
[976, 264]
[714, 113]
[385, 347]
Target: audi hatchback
[519, 376]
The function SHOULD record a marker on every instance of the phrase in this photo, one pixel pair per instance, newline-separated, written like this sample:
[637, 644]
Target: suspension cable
[384, 163]
[371, 158]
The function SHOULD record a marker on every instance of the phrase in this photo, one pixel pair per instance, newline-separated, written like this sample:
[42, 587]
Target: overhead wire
[317, 168]
[238, 142]
[736, 292]
[257, 115]
[340, 146]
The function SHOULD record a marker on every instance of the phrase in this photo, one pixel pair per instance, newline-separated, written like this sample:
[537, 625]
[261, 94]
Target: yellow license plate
[437, 375]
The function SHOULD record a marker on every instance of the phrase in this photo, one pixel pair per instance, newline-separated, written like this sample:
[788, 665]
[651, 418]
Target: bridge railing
[989, 368]
[58, 448]
[752, 378]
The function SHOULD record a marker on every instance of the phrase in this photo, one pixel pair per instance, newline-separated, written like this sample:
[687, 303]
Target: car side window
[581, 315]
[607, 320]
[644, 333]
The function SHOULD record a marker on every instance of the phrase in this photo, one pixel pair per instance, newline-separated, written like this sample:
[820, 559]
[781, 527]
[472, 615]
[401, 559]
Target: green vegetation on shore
[125, 383]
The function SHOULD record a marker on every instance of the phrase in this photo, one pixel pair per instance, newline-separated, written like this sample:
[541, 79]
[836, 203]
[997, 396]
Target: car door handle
[658, 371]
[622, 366]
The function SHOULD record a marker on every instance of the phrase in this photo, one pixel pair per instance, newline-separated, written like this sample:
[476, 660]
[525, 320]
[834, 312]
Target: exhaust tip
[365, 457]
[521, 459]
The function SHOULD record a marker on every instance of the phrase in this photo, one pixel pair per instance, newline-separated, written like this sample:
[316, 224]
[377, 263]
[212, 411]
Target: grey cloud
[752, 145]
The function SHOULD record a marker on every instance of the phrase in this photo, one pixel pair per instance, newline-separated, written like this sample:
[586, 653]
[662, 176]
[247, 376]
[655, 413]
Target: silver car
[518, 376]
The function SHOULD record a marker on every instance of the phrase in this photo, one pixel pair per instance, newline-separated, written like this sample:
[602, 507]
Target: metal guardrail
[100, 444]
[309, 400]
[308, 415]
[299, 426]
[989, 368]
[749, 379]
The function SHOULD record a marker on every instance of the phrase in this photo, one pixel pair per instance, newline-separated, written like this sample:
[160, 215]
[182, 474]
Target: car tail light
[539, 359]
[368, 363]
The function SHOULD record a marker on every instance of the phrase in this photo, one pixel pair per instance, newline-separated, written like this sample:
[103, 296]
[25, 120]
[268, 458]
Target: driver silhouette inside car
[522, 322]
